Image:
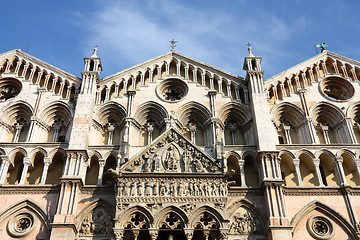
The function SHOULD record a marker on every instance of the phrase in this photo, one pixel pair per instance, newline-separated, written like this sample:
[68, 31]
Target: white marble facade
[174, 148]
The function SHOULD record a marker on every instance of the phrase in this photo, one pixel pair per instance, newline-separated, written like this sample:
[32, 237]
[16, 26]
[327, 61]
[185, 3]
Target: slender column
[220, 86]
[290, 86]
[202, 79]
[18, 128]
[45, 170]
[297, 82]
[27, 163]
[211, 82]
[107, 95]
[325, 68]
[167, 69]
[131, 95]
[336, 68]
[195, 75]
[192, 129]
[287, 134]
[47, 77]
[8, 66]
[68, 92]
[39, 77]
[296, 162]
[311, 129]
[178, 69]
[151, 76]
[242, 172]
[275, 92]
[56, 132]
[350, 130]
[228, 90]
[317, 68]
[101, 171]
[312, 79]
[357, 163]
[325, 131]
[98, 97]
[283, 92]
[159, 73]
[133, 83]
[54, 84]
[354, 75]
[343, 68]
[17, 67]
[23, 74]
[62, 84]
[187, 72]
[142, 79]
[339, 164]
[233, 129]
[116, 93]
[317, 171]
[5, 163]
[32, 73]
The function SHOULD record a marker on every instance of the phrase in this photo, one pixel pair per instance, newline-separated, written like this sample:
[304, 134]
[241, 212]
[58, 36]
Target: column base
[64, 231]
[279, 233]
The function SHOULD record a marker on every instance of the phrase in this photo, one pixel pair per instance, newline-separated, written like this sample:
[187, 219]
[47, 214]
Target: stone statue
[140, 189]
[147, 189]
[243, 224]
[162, 189]
[187, 157]
[170, 160]
[155, 189]
[155, 163]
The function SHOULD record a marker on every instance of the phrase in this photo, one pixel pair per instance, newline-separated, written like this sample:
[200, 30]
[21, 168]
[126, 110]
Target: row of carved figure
[172, 189]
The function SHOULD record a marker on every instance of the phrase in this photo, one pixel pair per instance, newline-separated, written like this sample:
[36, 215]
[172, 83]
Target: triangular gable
[302, 67]
[172, 153]
[168, 57]
[34, 62]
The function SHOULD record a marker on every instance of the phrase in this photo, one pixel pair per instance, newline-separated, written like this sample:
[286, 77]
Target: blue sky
[216, 32]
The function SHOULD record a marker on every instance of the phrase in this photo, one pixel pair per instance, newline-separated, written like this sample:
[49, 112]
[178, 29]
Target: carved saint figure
[170, 159]
[155, 163]
[187, 157]
[243, 224]
[162, 189]
[155, 189]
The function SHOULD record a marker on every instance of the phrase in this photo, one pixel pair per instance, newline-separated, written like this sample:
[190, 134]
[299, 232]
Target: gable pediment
[17, 58]
[320, 66]
[172, 153]
[167, 58]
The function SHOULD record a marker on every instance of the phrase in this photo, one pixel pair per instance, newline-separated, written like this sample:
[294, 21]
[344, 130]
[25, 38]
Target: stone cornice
[29, 189]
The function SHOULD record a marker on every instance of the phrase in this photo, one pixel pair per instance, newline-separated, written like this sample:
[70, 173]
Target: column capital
[339, 159]
[316, 162]
[296, 161]
[212, 93]
[27, 161]
[47, 161]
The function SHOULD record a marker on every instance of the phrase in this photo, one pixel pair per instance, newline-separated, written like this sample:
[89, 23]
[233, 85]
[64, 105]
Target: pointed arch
[91, 206]
[160, 216]
[30, 205]
[316, 205]
[205, 209]
[152, 110]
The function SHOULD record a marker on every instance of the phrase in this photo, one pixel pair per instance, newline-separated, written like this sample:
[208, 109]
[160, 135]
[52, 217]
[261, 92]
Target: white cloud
[130, 33]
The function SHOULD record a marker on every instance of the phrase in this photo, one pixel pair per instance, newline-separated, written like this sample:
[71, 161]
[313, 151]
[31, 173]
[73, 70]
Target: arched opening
[251, 172]
[56, 168]
[14, 172]
[34, 173]
[137, 227]
[307, 170]
[234, 169]
[288, 171]
[351, 174]
[111, 163]
[327, 170]
[92, 171]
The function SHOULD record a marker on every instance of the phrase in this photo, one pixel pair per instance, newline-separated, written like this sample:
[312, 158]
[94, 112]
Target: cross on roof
[172, 44]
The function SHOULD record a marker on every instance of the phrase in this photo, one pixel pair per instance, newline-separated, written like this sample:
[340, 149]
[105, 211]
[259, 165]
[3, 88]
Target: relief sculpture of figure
[155, 163]
[140, 189]
[170, 160]
[187, 158]
[155, 189]
[162, 189]
[147, 189]
[132, 189]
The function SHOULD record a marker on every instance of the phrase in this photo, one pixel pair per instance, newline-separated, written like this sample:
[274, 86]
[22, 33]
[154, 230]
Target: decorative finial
[95, 51]
[322, 46]
[172, 44]
[249, 49]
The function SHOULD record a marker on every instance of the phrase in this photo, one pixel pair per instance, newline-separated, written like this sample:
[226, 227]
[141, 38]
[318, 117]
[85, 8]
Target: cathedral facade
[174, 148]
